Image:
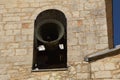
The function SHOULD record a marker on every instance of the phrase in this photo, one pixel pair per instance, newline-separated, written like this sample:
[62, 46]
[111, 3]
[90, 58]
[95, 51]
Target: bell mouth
[49, 31]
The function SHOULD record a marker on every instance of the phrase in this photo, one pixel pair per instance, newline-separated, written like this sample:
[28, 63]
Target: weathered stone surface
[8, 52]
[20, 38]
[45, 77]
[97, 66]
[101, 46]
[83, 76]
[23, 5]
[35, 4]
[86, 34]
[72, 70]
[103, 74]
[7, 39]
[2, 45]
[14, 10]
[3, 71]
[90, 5]
[4, 77]
[11, 18]
[12, 26]
[21, 52]
[31, 79]
[27, 31]
[110, 66]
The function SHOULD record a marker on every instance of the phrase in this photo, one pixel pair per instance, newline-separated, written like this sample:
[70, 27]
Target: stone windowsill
[44, 70]
[102, 54]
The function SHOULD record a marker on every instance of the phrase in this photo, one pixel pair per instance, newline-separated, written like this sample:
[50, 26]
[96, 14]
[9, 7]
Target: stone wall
[106, 69]
[86, 31]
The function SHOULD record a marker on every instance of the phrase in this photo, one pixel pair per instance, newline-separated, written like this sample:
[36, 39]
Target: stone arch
[65, 10]
[50, 30]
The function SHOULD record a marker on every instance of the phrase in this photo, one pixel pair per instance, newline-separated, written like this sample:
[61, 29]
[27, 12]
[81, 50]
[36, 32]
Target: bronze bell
[49, 32]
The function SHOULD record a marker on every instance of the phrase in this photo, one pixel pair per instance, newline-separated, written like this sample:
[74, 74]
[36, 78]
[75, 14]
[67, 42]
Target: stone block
[52, 78]
[0, 17]
[109, 66]
[3, 71]
[30, 51]
[84, 14]
[9, 32]
[34, 4]
[103, 27]
[14, 14]
[16, 32]
[4, 77]
[26, 45]
[7, 52]
[30, 37]
[102, 4]
[100, 21]
[79, 68]
[83, 76]
[19, 59]
[72, 70]
[15, 18]
[14, 10]
[27, 31]
[27, 10]
[83, 1]
[98, 12]
[88, 22]
[23, 5]
[31, 79]
[76, 14]
[4, 65]
[75, 58]
[45, 77]
[12, 45]
[32, 1]
[20, 38]
[115, 60]
[101, 33]
[11, 5]
[82, 40]
[2, 45]
[91, 38]
[89, 6]
[85, 68]
[27, 62]
[3, 11]
[2, 60]
[116, 74]
[2, 33]
[73, 41]
[98, 66]
[101, 46]
[25, 25]
[7, 38]
[21, 52]
[79, 23]
[103, 74]
[12, 71]
[2, 6]
[81, 7]
[104, 39]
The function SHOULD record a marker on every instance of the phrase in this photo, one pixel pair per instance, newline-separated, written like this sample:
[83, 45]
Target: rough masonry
[87, 34]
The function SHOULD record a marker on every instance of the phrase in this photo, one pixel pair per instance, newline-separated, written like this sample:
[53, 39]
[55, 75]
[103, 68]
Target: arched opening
[50, 40]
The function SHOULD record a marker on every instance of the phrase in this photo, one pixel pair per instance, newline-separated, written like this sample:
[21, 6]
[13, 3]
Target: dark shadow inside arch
[50, 40]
